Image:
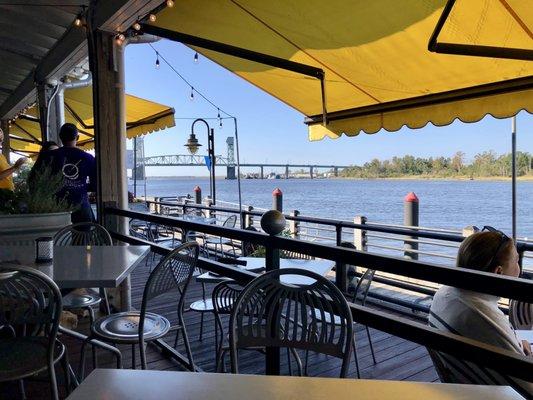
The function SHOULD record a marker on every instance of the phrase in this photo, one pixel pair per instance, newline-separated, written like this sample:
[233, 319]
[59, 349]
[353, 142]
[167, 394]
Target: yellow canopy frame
[379, 73]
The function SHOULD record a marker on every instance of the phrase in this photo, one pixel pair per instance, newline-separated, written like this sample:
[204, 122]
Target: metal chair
[30, 308]
[205, 305]
[451, 369]
[174, 272]
[224, 296]
[271, 313]
[521, 314]
[230, 222]
[359, 297]
[84, 234]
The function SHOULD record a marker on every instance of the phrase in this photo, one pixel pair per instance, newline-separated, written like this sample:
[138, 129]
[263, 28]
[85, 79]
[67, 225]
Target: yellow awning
[378, 69]
[142, 117]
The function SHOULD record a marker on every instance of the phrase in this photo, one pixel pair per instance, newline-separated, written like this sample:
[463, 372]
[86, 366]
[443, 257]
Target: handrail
[493, 357]
[514, 288]
[522, 246]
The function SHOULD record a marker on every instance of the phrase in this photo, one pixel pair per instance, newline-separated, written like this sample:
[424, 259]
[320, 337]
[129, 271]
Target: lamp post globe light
[193, 145]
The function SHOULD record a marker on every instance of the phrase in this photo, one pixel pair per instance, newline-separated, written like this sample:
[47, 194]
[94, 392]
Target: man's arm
[11, 170]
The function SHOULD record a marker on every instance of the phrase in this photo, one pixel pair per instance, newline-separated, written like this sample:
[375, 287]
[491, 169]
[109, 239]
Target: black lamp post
[193, 146]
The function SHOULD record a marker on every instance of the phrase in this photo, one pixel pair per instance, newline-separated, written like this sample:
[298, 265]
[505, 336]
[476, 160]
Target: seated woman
[477, 315]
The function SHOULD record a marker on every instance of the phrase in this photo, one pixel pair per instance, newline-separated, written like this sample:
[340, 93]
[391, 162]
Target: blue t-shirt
[79, 173]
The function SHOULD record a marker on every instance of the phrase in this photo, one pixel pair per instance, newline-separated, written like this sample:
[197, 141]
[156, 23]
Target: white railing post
[294, 226]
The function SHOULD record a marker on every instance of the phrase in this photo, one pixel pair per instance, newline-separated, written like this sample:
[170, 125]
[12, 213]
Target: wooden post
[249, 219]
[6, 149]
[359, 235]
[106, 59]
[294, 226]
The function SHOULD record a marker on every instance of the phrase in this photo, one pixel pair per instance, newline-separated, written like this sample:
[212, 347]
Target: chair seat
[124, 327]
[81, 300]
[25, 356]
[202, 306]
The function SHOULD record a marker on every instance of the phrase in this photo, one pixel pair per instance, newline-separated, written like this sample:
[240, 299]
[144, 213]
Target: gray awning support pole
[513, 169]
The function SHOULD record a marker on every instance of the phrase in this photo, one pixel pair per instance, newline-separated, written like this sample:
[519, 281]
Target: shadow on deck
[397, 359]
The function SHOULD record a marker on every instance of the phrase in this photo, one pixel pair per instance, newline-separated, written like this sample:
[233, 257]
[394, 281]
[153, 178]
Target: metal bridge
[190, 160]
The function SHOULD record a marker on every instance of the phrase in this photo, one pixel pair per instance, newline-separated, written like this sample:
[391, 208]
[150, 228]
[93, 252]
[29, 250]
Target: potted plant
[32, 210]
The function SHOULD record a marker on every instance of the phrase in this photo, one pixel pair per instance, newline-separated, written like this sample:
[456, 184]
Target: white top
[474, 315]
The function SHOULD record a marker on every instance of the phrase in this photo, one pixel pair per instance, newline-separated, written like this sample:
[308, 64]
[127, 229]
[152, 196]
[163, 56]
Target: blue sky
[270, 131]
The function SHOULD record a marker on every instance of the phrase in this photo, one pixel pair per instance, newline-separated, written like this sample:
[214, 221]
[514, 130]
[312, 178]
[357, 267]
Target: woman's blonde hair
[483, 251]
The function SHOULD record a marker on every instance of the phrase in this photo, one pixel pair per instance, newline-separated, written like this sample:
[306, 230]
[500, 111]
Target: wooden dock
[397, 359]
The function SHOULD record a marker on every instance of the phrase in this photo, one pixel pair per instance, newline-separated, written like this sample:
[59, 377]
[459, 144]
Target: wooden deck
[397, 359]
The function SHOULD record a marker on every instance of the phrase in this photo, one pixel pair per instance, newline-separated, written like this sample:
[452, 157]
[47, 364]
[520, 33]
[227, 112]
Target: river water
[443, 204]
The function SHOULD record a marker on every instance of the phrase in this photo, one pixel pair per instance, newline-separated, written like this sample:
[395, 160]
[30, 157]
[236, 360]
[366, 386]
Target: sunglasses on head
[503, 240]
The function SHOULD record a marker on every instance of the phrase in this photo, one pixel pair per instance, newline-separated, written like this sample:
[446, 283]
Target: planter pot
[23, 229]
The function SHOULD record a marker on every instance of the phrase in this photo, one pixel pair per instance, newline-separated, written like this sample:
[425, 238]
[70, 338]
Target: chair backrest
[173, 272]
[83, 234]
[521, 314]
[230, 222]
[363, 286]
[312, 316]
[452, 369]
[30, 302]
[224, 297]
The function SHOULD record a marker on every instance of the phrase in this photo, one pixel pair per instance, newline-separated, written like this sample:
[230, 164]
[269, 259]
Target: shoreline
[528, 178]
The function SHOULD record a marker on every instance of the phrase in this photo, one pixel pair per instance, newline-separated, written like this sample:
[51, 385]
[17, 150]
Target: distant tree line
[486, 164]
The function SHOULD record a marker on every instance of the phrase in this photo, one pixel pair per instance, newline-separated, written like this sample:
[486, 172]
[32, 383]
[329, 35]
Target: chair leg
[289, 361]
[22, 389]
[107, 307]
[177, 338]
[81, 369]
[371, 346]
[91, 321]
[355, 358]
[306, 362]
[187, 346]
[53, 381]
[66, 371]
[142, 350]
[201, 326]
[298, 361]
[133, 361]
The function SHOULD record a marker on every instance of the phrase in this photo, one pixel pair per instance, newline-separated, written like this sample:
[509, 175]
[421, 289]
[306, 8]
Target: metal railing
[520, 289]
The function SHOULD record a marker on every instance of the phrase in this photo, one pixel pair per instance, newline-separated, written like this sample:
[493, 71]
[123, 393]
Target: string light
[220, 124]
[136, 26]
[152, 17]
[196, 58]
[77, 21]
[191, 97]
[119, 39]
[170, 3]
[157, 64]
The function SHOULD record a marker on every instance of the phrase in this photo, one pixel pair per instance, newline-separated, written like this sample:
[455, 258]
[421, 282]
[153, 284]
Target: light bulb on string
[170, 3]
[218, 113]
[152, 17]
[220, 123]
[136, 26]
[119, 39]
[157, 63]
[77, 21]
[196, 58]
[191, 97]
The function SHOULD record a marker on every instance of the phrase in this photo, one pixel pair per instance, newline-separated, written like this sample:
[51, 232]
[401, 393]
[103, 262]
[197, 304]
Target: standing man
[6, 170]
[79, 173]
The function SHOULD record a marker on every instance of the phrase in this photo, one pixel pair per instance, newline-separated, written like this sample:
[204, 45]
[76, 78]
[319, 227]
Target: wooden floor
[397, 359]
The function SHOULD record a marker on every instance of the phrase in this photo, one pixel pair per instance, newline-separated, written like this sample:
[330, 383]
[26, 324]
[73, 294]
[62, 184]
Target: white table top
[321, 267]
[80, 266]
[147, 385]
